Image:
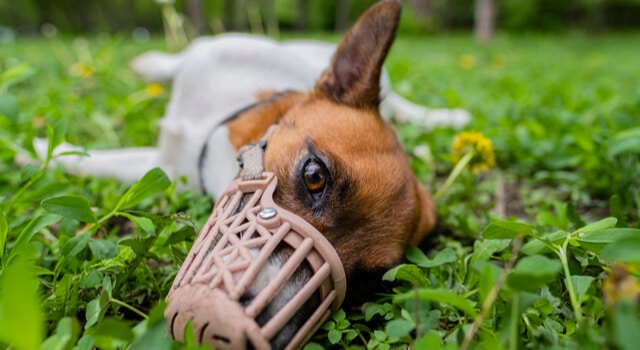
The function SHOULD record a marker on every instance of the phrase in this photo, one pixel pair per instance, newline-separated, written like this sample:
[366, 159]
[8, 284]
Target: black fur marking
[205, 147]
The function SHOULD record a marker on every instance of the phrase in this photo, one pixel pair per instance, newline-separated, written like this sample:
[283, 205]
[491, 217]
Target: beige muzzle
[245, 228]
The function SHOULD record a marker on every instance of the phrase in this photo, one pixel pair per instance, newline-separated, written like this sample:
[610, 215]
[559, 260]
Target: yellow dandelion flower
[467, 61]
[481, 148]
[81, 69]
[620, 285]
[472, 150]
[154, 89]
[498, 61]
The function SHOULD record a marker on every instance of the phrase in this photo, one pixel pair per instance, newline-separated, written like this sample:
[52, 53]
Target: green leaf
[313, 346]
[408, 273]
[533, 272]
[21, 319]
[26, 173]
[583, 136]
[184, 234]
[373, 309]
[430, 341]
[31, 229]
[85, 343]
[339, 315]
[626, 249]
[416, 256]
[574, 216]
[399, 328]
[616, 210]
[92, 279]
[625, 141]
[112, 329]
[9, 106]
[544, 243]
[489, 274]
[4, 231]
[581, 284]
[484, 249]
[442, 296]
[334, 336]
[65, 336]
[103, 249]
[15, 75]
[156, 315]
[71, 207]
[598, 225]
[56, 133]
[75, 245]
[506, 230]
[145, 224]
[154, 337]
[625, 325]
[41, 192]
[152, 183]
[94, 311]
[597, 240]
[107, 285]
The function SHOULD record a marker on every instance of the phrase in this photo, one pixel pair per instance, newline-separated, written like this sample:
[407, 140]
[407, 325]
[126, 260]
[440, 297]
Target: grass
[542, 251]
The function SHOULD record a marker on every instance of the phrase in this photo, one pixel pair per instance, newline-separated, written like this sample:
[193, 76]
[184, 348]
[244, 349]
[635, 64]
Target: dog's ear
[354, 75]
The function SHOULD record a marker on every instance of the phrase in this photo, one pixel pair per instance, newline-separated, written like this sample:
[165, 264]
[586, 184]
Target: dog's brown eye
[315, 176]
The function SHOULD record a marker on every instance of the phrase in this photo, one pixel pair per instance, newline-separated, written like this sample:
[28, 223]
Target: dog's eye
[315, 177]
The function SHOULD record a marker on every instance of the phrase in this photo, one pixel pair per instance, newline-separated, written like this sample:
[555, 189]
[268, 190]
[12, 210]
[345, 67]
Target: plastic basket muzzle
[228, 254]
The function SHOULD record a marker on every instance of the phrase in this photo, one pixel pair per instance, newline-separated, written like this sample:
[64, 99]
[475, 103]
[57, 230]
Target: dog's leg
[156, 67]
[402, 110]
[127, 164]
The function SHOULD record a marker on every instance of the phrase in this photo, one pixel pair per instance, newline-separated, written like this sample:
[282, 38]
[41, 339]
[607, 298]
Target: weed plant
[540, 251]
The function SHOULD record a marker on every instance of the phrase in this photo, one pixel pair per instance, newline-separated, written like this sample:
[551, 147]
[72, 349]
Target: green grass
[541, 252]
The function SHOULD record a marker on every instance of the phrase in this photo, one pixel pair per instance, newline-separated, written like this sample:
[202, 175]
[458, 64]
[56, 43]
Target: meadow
[541, 250]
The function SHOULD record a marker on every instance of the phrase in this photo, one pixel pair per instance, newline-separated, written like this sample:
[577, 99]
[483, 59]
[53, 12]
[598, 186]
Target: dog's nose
[216, 320]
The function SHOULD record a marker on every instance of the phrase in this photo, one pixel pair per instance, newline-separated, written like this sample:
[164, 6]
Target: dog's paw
[456, 118]
[403, 110]
[156, 67]
[41, 148]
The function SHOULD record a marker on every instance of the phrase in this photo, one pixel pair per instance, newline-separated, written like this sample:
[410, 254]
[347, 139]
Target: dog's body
[338, 162]
[212, 80]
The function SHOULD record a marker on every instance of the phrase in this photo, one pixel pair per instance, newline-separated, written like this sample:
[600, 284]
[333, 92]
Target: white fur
[211, 79]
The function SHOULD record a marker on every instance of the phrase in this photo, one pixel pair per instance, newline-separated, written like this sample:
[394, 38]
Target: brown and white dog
[213, 79]
[338, 161]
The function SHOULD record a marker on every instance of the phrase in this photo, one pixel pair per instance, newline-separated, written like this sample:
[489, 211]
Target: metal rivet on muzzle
[267, 213]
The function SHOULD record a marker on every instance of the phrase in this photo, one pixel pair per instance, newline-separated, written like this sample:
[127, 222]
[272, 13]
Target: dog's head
[339, 164]
[340, 167]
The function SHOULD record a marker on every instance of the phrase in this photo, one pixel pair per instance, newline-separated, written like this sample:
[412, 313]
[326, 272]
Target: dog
[338, 160]
[211, 80]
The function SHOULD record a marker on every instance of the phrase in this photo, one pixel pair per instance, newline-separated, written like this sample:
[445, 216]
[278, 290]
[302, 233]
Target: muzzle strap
[251, 161]
[251, 157]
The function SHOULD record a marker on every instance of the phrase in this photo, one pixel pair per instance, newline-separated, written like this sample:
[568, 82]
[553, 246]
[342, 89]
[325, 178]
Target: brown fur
[251, 126]
[373, 206]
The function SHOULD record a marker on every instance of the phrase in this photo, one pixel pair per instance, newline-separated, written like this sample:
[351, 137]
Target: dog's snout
[210, 319]
[255, 281]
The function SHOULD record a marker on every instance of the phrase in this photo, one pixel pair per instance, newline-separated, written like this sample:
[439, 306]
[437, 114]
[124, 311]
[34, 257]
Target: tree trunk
[485, 20]
[271, 18]
[423, 9]
[302, 20]
[194, 12]
[342, 15]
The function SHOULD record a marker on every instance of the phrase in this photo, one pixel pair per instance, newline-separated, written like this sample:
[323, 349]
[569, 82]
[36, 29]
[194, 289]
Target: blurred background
[199, 17]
